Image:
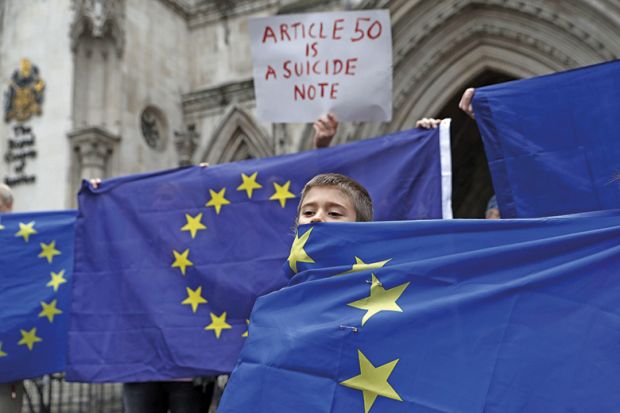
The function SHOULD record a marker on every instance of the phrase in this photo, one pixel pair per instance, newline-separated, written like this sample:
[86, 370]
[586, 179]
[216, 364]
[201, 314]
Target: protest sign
[306, 65]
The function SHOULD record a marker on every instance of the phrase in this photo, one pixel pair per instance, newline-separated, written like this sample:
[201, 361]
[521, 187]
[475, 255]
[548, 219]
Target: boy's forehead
[326, 193]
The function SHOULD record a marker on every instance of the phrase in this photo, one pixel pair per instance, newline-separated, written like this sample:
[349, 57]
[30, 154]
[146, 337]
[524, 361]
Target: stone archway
[237, 138]
[441, 48]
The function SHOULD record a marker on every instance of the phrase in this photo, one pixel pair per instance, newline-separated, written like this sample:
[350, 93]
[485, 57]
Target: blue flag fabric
[553, 142]
[36, 266]
[168, 265]
[446, 316]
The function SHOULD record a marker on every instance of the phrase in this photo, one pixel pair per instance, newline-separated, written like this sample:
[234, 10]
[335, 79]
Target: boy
[333, 198]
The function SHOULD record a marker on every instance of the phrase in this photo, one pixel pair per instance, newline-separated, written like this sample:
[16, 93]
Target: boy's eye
[335, 214]
[307, 213]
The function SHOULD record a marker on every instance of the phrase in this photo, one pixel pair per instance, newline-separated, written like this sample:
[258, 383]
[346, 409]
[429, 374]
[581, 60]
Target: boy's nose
[318, 217]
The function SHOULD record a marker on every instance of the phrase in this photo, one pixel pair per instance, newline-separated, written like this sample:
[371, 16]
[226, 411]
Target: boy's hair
[354, 190]
[6, 197]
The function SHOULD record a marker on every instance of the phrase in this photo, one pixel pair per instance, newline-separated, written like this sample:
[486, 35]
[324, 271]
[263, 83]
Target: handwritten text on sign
[307, 65]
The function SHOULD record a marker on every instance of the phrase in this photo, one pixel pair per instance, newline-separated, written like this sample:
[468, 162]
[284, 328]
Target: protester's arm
[325, 129]
[465, 103]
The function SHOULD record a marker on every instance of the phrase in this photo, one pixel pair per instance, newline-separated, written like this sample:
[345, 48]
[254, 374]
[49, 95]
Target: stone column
[281, 139]
[93, 147]
[186, 143]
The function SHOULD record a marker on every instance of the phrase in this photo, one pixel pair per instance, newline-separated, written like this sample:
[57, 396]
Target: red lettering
[269, 33]
[321, 32]
[299, 69]
[324, 90]
[311, 92]
[301, 92]
[270, 71]
[358, 29]
[315, 50]
[332, 93]
[337, 28]
[297, 25]
[323, 85]
[379, 29]
[338, 65]
[311, 31]
[350, 70]
[287, 70]
[284, 32]
[314, 68]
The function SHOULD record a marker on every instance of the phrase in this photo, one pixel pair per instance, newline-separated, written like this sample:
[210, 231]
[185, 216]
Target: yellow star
[218, 324]
[1, 227]
[49, 310]
[217, 200]
[26, 230]
[194, 298]
[48, 251]
[193, 224]
[2, 353]
[379, 299]
[373, 381]
[57, 279]
[29, 338]
[298, 254]
[363, 266]
[181, 261]
[246, 331]
[249, 184]
[282, 193]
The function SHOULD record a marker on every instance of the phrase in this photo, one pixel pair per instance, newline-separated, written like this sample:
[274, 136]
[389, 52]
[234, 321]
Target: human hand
[428, 123]
[95, 182]
[325, 128]
[465, 103]
[222, 380]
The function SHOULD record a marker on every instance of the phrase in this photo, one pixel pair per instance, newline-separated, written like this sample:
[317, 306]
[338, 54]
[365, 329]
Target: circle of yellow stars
[372, 380]
[194, 224]
[49, 310]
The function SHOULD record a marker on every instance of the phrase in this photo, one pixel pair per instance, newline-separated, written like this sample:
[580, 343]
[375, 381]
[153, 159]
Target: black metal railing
[51, 394]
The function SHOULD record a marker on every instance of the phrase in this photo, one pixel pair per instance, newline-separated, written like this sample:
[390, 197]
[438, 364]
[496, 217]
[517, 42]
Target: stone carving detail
[237, 137]
[100, 19]
[484, 30]
[93, 147]
[153, 127]
[24, 97]
[409, 73]
[186, 143]
[528, 8]
[219, 96]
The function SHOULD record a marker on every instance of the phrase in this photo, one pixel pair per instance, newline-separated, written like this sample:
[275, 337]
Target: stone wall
[155, 73]
[37, 30]
[188, 64]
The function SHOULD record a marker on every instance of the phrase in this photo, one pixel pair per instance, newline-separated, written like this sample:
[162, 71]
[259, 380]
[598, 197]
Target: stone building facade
[139, 85]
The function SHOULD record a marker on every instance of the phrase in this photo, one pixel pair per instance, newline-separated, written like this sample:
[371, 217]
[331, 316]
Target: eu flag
[553, 142]
[36, 266]
[168, 265]
[444, 316]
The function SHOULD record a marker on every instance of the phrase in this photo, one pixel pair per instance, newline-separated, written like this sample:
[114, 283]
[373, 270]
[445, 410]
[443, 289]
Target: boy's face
[326, 204]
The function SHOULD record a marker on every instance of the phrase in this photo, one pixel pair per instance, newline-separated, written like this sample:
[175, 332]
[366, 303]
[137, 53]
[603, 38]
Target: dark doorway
[471, 180]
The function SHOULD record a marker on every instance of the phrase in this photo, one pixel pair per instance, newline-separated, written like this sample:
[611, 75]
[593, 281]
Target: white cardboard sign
[307, 65]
